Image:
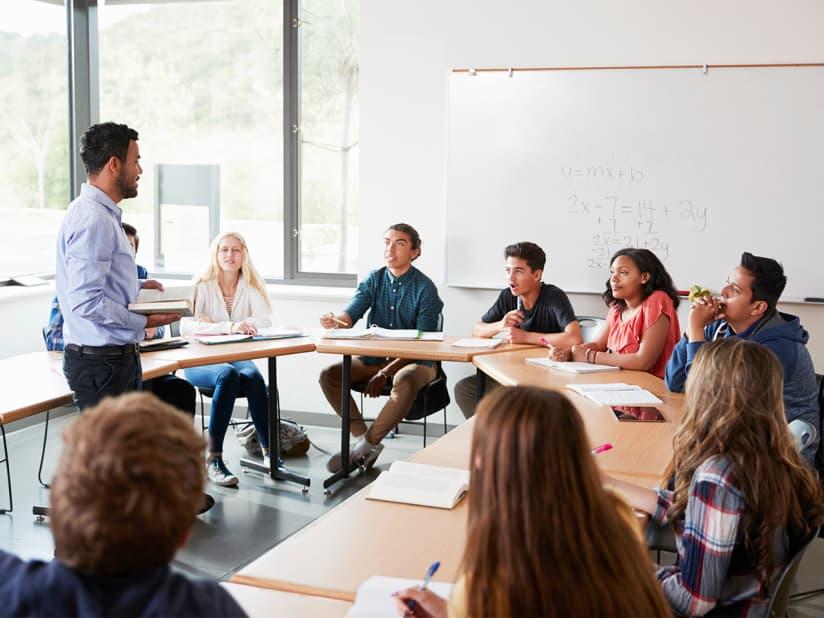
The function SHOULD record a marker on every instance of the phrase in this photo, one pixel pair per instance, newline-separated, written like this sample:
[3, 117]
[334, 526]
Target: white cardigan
[249, 305]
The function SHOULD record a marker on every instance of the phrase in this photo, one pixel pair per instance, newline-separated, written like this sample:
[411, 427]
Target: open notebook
[374, 597]
[571, 367]
[376, 332]
[413, 483]
[264, 334]
[616, 394]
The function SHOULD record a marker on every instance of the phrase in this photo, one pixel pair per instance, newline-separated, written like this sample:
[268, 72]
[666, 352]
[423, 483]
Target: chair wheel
[304, 490]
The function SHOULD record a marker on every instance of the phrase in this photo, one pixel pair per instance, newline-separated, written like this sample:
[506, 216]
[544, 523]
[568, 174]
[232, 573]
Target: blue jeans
[230, 380]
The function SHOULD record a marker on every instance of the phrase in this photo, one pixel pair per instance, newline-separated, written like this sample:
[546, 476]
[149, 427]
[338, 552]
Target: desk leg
[480, 385]
[346, 385]
[276, 469]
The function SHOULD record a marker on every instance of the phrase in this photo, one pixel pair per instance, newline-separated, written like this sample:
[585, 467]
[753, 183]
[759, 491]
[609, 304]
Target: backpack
[294, 440]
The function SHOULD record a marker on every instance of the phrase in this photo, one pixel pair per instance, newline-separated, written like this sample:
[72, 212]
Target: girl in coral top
[642, 326]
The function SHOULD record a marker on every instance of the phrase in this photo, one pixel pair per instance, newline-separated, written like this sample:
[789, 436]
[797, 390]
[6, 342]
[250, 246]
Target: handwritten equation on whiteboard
[621, 219]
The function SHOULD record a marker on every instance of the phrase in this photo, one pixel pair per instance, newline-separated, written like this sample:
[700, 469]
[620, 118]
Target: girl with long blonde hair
[544, 538]
[230, 297]
[744, 499]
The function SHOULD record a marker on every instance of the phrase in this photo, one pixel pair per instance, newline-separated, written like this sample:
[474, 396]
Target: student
[642, 325]
[747, 309]
[230, 297]
[743, 498]
[398, 296]
[123, 501]
[527, 311]
[543, 536]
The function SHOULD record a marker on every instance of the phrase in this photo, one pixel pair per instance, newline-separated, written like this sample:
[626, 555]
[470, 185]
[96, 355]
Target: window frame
[84, 110]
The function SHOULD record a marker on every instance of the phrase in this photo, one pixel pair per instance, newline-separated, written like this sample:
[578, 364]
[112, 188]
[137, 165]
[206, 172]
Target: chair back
[432, 398]
[590, 326]
[780, 594]
[803, 433]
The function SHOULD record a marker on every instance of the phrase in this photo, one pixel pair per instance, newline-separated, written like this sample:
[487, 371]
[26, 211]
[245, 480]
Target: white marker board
[696, 166]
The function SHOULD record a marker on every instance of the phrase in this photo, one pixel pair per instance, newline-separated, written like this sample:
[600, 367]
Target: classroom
[310, 127]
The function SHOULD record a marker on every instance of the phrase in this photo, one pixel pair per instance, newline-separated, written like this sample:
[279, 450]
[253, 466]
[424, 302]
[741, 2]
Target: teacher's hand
[151, 284]
[161, 319]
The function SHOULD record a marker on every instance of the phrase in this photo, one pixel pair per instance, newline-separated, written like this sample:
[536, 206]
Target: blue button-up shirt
[96, 276]
[405, 302]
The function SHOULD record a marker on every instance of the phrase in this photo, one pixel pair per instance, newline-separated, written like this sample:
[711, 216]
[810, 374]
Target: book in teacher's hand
[173, 299]
[422, 484]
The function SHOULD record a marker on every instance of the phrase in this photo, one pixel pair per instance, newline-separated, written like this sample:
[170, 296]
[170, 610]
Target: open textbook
[376, 332]
[571, 367]
[374, 596]
[173, 299]
[413, 483]
[264, 334]
[616, 394]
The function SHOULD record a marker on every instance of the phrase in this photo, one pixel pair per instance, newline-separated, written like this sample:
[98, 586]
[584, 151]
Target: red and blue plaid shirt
[714, 570]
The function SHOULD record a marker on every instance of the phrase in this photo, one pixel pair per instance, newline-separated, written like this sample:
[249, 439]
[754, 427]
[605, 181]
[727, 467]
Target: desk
[198, 354]
[390, 348]
[337, 552]
[641, 451]
[33, 383]
[260, 603]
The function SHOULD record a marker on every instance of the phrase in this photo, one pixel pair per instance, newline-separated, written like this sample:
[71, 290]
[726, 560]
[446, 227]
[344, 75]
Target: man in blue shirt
[96, 275]
[400, 297]
[747, 309]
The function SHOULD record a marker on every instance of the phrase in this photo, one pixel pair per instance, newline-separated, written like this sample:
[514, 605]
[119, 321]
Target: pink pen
[602, 448]
[543, 341]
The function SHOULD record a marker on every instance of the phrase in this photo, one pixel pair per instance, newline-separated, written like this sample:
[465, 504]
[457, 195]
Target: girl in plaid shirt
[744, 500]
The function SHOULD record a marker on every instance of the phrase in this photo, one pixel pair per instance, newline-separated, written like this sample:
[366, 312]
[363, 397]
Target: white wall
[406, 50]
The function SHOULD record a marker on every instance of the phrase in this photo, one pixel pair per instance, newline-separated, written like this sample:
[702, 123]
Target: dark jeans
[175, 391]
[93, 377]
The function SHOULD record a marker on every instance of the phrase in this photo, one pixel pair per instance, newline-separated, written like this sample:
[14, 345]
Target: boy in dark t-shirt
[527, 311]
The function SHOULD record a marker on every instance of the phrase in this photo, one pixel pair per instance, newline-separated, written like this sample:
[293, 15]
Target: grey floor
[247, 521]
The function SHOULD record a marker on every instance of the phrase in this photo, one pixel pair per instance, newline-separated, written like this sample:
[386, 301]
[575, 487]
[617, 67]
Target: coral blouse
[625, 337]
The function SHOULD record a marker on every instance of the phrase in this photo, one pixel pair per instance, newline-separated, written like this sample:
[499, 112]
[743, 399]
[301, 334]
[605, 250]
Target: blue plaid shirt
[405, 302]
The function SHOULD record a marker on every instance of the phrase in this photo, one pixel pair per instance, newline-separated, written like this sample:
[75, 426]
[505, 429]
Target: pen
[601, 449]
[543, 341]
[426, 579]
[337, 321]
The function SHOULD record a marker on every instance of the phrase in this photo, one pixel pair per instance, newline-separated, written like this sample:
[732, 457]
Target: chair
[780, 593]
[590, 326]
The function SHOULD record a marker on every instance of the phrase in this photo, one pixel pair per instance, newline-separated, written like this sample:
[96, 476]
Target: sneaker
[362, 454]
[219, 474]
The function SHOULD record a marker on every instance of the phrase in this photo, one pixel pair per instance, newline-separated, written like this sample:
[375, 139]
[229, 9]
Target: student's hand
[426, 604]
[327, 320]
[579, 352]
[161, 319]
[203, 318]
[513, 318]
[704, 311]
[246, 327]
[150, 333]
[374, 387]
[516, 335]
[560, 355]
[151, 284]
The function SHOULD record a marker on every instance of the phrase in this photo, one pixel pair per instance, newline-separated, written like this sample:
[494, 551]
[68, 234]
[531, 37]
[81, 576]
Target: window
[247, 112]
[328, 136]
[34, 134]
[202, 84]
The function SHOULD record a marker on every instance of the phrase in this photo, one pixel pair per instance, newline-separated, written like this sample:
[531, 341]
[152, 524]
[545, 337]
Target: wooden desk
[262, 602]
[389, 348]
[641, 451]
[198, 354]
[337, 552]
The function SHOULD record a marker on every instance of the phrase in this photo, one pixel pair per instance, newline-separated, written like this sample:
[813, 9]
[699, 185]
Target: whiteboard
[696, 167]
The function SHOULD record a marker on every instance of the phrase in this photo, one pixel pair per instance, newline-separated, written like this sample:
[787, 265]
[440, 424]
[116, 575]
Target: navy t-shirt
[39, 588]
[550, 314]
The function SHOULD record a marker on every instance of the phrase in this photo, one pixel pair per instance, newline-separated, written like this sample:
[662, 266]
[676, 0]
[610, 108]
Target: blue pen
[426, 579]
